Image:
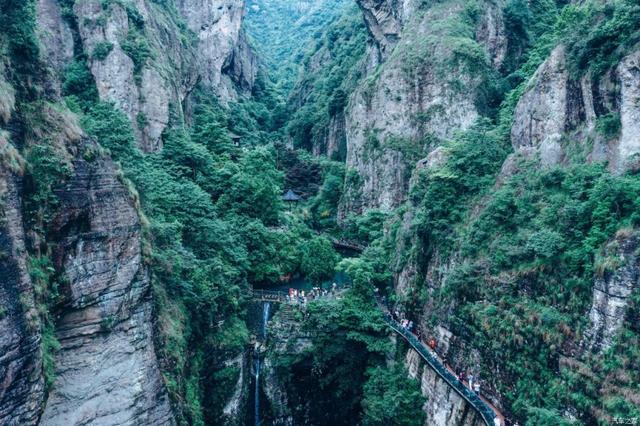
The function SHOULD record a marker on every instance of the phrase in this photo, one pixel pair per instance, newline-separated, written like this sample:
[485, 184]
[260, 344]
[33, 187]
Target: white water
[265, 318]
[266, 307]
[256, 406]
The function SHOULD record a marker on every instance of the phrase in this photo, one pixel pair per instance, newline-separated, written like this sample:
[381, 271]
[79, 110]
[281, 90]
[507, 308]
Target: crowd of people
[469, 380]
[301, 296]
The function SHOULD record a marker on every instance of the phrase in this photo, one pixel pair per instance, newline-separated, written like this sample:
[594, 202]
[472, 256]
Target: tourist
[496, 421]
[476, 387]
[463, 376]
[471, 381]
[432, 344]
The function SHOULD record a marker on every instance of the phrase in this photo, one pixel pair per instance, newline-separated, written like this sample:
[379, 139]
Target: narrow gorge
[319, 212]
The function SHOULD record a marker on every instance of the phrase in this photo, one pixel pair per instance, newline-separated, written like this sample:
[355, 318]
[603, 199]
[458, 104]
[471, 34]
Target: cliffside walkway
[282, 296]
[483, 408]
[270, 296]
[347, 245]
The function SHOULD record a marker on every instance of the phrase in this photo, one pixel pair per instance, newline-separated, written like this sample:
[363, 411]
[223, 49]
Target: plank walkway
[486, 411]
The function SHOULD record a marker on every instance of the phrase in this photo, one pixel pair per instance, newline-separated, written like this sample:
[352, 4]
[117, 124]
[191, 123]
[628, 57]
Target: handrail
[478, 404]
[485, 411]
[283, 295]
[270, 295]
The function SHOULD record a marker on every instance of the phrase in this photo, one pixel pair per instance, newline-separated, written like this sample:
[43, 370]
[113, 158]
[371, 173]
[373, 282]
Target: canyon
[481, 156]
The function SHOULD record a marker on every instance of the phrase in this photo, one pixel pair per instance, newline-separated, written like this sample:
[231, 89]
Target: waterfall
[265, 318]
[256, 407]
[266, 307]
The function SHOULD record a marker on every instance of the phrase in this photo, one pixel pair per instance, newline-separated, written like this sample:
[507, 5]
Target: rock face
[143, 61]
[629, 145]
[556, 110]
[222, 46]
[142, 90]
[241, 66]
[444, 407]
[55, 35]
[612, 290]
[542, 112]
[286, 338]
[235, 410]
[21, 381]
[384, 20]
[420, 93]
[106, 370]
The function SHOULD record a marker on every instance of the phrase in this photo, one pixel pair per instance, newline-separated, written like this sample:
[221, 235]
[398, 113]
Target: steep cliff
[427, 73]
[146, 57]
[106, 367]
[77, 307]
[22, 388]
[444, 406]
[488, 269]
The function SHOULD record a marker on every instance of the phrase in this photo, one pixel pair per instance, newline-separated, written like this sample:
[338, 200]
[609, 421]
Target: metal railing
[476, 402]
[270, 295]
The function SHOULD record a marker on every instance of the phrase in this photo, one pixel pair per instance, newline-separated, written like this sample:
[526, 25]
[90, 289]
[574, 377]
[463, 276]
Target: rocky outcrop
[444, 407]
[241, 66]
[233, 410]
[277, 395]
[423, 91]
[384, 20]
[142, 59]
[222, 46]
[612, 290]
[56, 37]
[542, 114]
[628, 149]
[106, 369]
[333, 141]
[491, 33]
[21, 379]
[559, 110]
[139, 62]
[286, 338]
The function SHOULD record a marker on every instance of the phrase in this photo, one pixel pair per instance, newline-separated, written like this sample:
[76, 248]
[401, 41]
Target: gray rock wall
[213, 51]
[558, 111]
[444, 407]
[417, 91]
[618, 279]
[21, 380]
[106, 369]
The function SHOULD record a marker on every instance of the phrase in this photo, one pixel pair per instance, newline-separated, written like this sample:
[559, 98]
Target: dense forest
[483, 154]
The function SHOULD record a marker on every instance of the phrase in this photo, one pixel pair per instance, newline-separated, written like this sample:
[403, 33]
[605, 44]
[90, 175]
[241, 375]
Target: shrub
[102, 50]
[609, 125]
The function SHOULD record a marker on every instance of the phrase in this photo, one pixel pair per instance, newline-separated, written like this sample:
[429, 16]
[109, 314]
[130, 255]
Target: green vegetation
[214, 226]
[102, 50]
[283, 30]
[509, 265]
[609, 125]
[322, 91]
[391, 398]
[523, 255]
[45, 285]
[135, 45]
[344, 373]
[19, 39]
